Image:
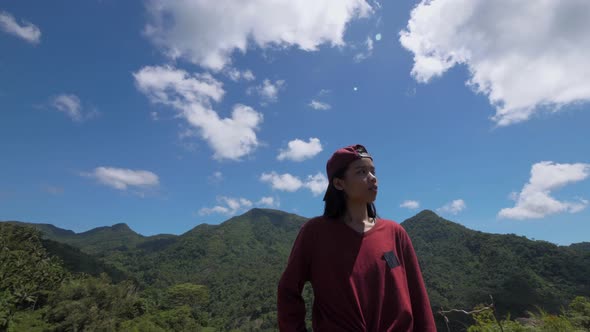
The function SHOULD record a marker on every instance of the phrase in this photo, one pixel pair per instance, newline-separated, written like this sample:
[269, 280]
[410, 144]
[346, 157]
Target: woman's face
[359, 182]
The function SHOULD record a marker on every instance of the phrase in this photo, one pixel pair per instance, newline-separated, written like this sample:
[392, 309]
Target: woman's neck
[357, 214]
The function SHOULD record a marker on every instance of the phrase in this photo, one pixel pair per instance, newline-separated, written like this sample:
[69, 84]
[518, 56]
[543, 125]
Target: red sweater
[361, 282]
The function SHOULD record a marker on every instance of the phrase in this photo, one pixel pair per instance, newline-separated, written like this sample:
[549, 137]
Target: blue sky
[165, 115]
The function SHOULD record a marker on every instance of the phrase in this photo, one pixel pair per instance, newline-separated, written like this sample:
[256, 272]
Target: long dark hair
[335, 200]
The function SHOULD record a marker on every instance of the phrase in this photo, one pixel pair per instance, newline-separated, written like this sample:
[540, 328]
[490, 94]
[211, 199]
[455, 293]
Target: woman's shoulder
[393, 225]
[318, 221]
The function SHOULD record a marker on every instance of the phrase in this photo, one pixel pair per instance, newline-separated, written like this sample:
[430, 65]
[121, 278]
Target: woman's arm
[422, 312]
[290, 304]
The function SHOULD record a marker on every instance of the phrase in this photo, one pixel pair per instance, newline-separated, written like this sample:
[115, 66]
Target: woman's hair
[335, 199]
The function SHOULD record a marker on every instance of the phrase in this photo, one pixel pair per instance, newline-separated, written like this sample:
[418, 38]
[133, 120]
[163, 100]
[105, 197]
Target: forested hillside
[224, 277]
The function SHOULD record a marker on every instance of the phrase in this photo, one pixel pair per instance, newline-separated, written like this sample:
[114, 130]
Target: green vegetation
[27, 273]
[576, 318]
[463, 267]
[224, 278]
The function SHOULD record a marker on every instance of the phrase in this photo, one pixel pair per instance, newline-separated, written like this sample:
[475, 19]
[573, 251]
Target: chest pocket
[391, 260]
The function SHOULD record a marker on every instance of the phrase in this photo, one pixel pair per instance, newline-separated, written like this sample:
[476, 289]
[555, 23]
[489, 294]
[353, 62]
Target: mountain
[98, 240]
[463, 267]
[582, 246]
[76, 261]
[241, 260]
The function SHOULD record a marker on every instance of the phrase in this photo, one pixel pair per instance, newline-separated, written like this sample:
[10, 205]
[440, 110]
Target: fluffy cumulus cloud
[299, 150]
[268, 201]
[26, 30]
[232, 205]
[317, 183]
[409, 204]
[237, 75]
[318, 105]
[453, 207]
[208, 32]
[71, 105]
[192, 95]
[268, 90]
[176, 87]
[121, 178]
[535, 200]
[227, 206]
[283, 182]
[525, 57]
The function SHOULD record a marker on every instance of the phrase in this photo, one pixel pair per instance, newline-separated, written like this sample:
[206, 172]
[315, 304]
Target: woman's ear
[338, 183]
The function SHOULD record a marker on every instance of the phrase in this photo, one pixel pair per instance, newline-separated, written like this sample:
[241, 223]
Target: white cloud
[120, 178]
[525, 57]
[268, 201]
[453, 207]
[232, 205]
[367, 53]
[248, 75]
[216, 209]
[27, 31]
[318, 105]
[230, 138]
[208, 32]
[408, 204]
[70, 105]
[268, 91]
[283, 182]
[316, 183]
[299, 150]
[216, 177]
[535, 201]
[236, 75]
[176, 87]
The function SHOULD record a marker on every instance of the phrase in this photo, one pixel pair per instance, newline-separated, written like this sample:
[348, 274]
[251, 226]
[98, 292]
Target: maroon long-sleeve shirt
[361, 282]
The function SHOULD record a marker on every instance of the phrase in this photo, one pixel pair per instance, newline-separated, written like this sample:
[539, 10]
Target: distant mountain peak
[258, 210]
[256, 213]
[425, 215]
[121, 227]
[118, 228]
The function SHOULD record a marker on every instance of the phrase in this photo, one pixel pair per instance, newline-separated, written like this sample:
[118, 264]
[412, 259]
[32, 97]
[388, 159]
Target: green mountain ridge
[241, 260]
[464, 266]
[97, 240]
[122, 231]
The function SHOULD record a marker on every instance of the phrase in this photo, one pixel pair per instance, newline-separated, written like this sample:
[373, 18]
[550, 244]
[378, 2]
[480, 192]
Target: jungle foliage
[224, 277]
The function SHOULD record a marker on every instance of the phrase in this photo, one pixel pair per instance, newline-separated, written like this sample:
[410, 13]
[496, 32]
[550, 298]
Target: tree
[27, 273]
[94, 304]
[192, 295]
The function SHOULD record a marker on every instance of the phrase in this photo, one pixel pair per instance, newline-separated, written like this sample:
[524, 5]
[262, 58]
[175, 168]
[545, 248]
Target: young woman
[363, 269]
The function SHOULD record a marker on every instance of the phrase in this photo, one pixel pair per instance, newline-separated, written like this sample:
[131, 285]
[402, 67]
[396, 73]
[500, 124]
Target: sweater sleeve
[422, 312]
[290, 304]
